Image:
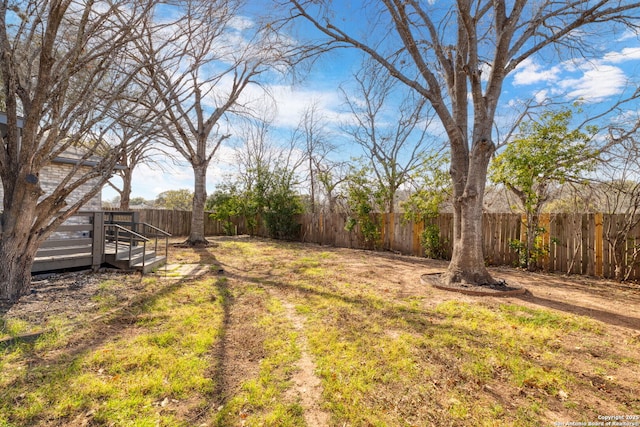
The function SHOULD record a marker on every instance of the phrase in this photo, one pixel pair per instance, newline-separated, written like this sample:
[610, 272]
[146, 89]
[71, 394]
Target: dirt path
[307, 387]
[241, 345]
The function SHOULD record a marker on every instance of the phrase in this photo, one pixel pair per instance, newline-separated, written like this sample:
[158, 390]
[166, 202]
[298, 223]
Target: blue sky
[596, 83]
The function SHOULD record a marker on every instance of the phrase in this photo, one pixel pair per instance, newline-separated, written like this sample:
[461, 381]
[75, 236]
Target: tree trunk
[313, 187]
[388, 224]
[18, 247]
[332, 202]
[618, 256]
[531, 253]
[125, 195]
[467, 261]
[15, 275]
[199, 199]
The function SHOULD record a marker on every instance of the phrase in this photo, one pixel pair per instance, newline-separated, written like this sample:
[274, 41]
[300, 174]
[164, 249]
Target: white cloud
[241, 23]
[151, 181]
[597, 83]
[293, 101]
[627, 54]
[628, 35]
[529, 72]
[541, 96]
[589, 80]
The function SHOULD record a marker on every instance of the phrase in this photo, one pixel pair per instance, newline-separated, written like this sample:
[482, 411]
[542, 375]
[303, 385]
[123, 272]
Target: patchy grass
[388, 360]
[221, 350]
[148, 366]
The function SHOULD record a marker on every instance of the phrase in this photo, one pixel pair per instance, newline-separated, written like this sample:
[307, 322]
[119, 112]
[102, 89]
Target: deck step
[123, 262]
[137, 258]
[150, 264]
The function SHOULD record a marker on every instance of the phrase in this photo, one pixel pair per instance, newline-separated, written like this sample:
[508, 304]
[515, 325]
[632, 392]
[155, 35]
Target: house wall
[52, 174]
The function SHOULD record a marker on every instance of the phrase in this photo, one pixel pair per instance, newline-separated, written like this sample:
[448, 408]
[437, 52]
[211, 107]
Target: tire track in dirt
[241, 345]
[236, 356]
[307, 386]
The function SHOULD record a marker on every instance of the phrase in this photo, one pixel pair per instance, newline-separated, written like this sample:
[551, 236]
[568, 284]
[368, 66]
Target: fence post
[98, 240]
[417, 229]
[599, 243]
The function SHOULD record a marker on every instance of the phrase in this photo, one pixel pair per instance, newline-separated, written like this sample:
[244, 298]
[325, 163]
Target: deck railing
[157, 232]
[81, 240]
[118, 234]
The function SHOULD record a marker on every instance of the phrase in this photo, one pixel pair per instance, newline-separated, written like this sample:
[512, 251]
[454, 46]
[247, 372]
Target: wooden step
[123, 262]
[150, 264]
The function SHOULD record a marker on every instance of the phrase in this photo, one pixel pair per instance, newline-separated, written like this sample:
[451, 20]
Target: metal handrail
[153, 227]
[166, 239]
[132, 233]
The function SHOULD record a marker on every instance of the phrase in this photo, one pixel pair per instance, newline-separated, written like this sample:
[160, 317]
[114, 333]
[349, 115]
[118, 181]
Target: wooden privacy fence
[178, 223]
[576, 243]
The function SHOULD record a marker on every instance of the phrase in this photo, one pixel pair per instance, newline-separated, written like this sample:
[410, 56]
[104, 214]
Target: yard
[259, 332]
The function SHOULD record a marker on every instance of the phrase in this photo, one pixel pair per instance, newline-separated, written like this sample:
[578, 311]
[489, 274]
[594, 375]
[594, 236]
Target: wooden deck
[91, 239]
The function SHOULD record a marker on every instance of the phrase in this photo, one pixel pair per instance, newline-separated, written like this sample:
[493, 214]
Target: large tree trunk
[467, 261]
[15, 275]
[18, 247]
[125, 195]
[199, 199]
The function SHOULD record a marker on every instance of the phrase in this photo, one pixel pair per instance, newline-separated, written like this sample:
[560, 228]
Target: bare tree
[62, 68]
[199, 66]
[257, 150]
[457, 56]
[619, 193]
[331, 176]
[314, 139]
[260, 151]
[265, 186]
[390, 123]
[139, 134]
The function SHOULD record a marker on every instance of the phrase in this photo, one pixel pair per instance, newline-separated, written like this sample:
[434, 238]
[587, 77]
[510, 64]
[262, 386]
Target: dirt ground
[616, 305]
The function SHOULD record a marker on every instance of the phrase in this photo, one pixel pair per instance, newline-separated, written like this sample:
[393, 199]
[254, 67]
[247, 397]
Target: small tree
[331, 175]
[364, 199]
[619, 193]
[271, 196]
[138, 131]
[138, 134]
[278, 203]
[228, 203]
[390, 124]
[313, 139]
[546, 153]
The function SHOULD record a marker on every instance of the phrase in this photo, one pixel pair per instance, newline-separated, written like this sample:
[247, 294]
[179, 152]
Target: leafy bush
[271, 196]
[362, 199]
